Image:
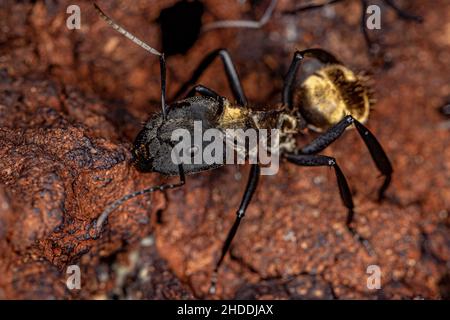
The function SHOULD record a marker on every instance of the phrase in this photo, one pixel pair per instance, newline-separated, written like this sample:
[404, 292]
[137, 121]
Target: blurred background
[72, 101]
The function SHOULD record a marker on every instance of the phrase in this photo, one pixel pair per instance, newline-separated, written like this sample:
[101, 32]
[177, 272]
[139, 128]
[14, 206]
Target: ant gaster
[330, 99]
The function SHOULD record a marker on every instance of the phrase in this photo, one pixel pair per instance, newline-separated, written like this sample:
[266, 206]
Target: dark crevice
[444, 286]
[159, 216]
[180, 26]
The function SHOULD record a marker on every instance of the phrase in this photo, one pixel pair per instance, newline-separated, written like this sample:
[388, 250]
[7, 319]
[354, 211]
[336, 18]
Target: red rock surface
[71, 102]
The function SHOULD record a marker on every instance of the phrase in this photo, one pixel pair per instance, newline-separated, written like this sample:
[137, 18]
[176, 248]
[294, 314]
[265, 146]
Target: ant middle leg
[344, 190]
[230, 71]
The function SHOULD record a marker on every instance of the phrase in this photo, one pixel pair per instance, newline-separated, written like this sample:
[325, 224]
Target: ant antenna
[142, 44]
[104, 215]
[251, 24]
[102, 218]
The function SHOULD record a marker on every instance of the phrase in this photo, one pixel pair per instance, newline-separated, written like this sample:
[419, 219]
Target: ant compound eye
[193, 150]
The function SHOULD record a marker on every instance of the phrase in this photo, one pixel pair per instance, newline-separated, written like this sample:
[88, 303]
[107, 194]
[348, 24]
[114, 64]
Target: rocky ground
[72, 101]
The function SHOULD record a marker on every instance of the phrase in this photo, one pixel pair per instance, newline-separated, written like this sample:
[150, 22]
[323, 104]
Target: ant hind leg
[375, 149]
[344, 190]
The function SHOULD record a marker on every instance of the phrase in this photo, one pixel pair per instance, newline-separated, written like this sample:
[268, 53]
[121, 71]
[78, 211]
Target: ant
[329, 100]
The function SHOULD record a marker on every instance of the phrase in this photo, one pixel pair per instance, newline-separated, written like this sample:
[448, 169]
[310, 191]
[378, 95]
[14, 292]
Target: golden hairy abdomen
[331, 93]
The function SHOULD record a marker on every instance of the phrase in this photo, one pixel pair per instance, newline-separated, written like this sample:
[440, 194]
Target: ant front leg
[230, 71]
[203, 91]
[344, 190]
[249, 191]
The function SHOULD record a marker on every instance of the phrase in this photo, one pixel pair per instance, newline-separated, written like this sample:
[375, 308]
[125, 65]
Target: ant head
[163, 144]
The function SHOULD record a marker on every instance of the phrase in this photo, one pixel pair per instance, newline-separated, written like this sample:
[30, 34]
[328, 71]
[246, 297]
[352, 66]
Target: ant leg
[204, 91]
[249, 191]
[162, 66]
[311, 7]
[376, 150]
[372, 46]
[344, 190]
[289, 80]
[104, 216]
[230, 71]
[251, 24]
[402, 13]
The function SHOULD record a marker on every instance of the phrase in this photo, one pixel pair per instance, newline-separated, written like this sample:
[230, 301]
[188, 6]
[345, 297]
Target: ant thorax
[287, 125]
